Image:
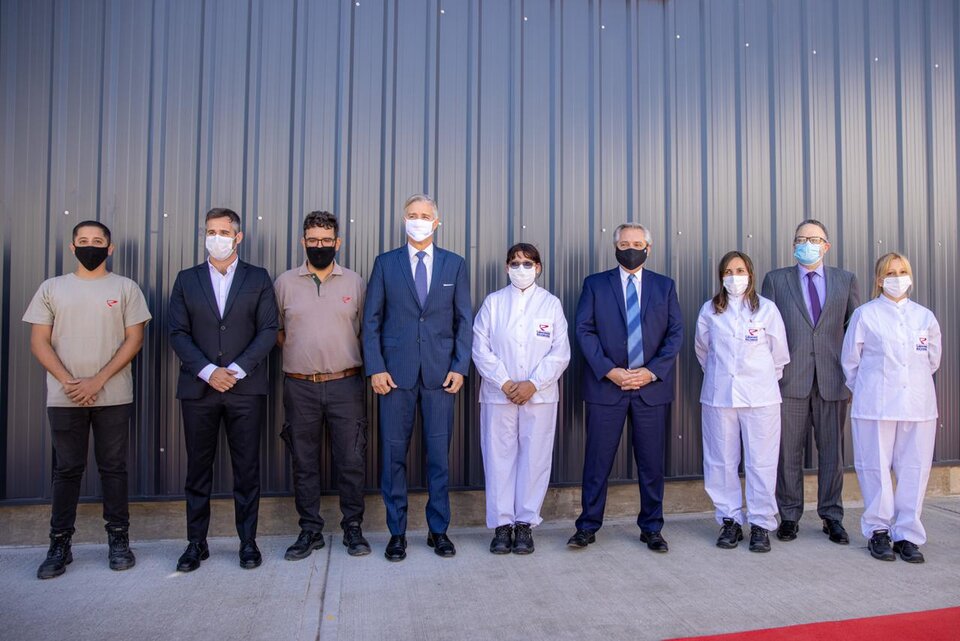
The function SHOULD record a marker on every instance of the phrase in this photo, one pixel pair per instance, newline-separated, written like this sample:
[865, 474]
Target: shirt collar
[624, 275]
[305, 270]
[428, 250]
[516, 291]
[898, 304]
[804, 271]
[232, 267]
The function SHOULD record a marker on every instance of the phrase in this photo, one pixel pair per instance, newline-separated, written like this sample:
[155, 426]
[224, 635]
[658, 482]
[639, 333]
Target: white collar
[232, 267]
[624, 274]
[428, 250]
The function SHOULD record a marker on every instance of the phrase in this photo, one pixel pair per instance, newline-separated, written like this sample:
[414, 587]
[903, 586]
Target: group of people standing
[412, 331]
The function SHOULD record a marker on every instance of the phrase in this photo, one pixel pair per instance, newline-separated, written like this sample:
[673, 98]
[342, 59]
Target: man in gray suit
[816, 303]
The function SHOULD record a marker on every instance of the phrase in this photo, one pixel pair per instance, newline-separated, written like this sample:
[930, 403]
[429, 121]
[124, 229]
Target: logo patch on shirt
[111, 302]
[347, 299]
[543, 330]
[922, 343]
[753, 334]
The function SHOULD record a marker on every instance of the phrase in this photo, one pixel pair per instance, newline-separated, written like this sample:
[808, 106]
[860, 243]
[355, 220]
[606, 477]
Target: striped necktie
[634, 331]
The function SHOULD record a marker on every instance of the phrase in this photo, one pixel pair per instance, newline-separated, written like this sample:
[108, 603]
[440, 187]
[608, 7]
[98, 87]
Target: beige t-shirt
[89, 318]
[320, 321]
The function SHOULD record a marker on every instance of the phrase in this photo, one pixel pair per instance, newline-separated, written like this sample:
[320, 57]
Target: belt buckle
[315, 378]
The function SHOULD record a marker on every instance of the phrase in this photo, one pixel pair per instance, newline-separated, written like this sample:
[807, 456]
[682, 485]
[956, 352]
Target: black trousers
[70, 429]
[341, 407]
[241, 415]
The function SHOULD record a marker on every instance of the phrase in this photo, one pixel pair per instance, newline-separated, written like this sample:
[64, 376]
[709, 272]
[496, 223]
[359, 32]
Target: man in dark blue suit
[223, 324]
[417, 337]
[629, 330]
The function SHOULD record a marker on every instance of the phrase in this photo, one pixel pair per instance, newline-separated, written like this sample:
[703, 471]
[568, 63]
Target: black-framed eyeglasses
[320, 242]
[526, 264]
[813, 240]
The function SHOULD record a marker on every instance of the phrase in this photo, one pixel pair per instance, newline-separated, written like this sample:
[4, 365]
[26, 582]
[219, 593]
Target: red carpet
[931, 625]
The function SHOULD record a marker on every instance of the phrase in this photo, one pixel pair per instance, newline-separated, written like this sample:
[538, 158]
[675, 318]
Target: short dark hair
[812, 221]
[223, 212]
[527, 250]
[92, 223]
[322, 219]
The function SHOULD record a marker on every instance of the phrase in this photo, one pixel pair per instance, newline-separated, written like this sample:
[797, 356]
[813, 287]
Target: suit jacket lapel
[830, 290]
[435, 279]
[403, 264]
[645, 286]
[617, 287]
[206, 286]
[793, 284]
[238, 277]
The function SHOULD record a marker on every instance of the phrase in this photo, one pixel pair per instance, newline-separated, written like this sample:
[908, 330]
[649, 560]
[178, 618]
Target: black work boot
[502, 540]
[306, 543]
[353, 538]
[523, 539]
[58, 556]
[731, 533]
[120, 555]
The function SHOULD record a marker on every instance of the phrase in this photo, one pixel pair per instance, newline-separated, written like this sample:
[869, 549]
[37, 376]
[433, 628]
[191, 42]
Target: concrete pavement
[615, 589]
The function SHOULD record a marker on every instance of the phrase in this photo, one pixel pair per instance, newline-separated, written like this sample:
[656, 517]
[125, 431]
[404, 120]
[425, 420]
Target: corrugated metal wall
[718, 123]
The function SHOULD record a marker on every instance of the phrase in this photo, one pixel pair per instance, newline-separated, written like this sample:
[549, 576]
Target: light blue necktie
[420, 278]
[634, 331]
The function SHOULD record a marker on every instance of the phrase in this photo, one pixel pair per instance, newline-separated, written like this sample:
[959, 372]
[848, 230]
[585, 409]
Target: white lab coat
[742, 354]
[519, 336]
[890, 353]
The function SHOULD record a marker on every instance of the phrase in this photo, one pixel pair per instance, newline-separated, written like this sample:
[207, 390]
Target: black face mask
[321, 257]
[90, 257]
[631, 258]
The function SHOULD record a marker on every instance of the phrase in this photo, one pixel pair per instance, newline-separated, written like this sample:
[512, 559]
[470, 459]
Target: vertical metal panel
[719, 125]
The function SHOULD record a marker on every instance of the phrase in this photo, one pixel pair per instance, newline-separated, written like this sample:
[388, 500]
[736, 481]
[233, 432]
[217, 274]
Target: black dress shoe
[730, 534]
[759, 539]
[250, 555]
[306, 543]
[834, 529]
[879, 546]
[353, 539]
[502, 541]
[441, 544]
[523, 541]
[908, 551]
[787, 530]
[654, 541]
[581, 539]
[396, 548]
[191, 557]
[119, 554]
[58, 556]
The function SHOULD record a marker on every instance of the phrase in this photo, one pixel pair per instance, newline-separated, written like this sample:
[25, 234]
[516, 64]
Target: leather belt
[323, 378]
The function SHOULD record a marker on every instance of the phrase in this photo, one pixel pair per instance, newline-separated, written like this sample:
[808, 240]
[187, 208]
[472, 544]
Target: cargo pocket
[285, 436]
[360, 440]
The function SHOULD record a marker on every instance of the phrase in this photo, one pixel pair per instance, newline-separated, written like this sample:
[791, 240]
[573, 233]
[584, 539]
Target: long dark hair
[720, 299]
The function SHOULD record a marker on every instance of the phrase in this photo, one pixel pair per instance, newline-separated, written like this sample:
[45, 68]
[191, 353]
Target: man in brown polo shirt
[321, 304]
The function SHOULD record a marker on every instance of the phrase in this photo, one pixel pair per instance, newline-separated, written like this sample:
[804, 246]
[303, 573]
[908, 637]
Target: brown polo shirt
[320, 320]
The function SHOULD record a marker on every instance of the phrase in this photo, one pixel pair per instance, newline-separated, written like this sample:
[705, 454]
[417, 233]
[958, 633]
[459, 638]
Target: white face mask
[419, 230]
[896, 286]
[736, 285]
[219, 247]
[522, 278]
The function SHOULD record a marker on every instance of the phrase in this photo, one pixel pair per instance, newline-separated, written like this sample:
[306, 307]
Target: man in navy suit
[223, 324]
[629, 329]
[417, 337]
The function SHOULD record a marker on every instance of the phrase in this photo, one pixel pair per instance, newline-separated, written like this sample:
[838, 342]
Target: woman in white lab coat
[741, 344]
[520, 348]
[890, 352]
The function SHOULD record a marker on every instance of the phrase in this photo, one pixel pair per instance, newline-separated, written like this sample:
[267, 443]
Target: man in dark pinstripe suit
[816, 303]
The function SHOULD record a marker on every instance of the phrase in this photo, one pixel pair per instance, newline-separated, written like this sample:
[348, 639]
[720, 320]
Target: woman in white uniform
[520, 348]
[890, 352]
[741, 344]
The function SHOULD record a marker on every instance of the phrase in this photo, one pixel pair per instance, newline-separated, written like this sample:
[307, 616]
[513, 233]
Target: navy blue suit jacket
[245, 335]
[407, 340]
[601, 326]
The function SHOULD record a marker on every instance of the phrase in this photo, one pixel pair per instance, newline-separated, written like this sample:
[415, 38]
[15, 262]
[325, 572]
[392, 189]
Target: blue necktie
[634, 331]
[420, 278]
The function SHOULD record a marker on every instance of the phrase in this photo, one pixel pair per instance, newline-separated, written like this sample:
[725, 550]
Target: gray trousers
[826, 418]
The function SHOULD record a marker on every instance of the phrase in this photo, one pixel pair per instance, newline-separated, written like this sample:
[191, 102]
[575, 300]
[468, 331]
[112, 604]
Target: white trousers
[907, 448]
[759, 428]
[517, 446]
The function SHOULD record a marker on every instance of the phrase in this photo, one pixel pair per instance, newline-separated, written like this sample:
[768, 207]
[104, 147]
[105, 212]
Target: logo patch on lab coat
[922, 342]
[544, 330]
[754, 332]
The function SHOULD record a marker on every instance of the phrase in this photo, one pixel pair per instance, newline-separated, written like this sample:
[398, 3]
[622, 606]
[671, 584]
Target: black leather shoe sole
[192, 564]
[360, 549]
[760, 547]
[123, 564]
[52, 573]
[250, 564]
[578, 544]
[787, 534]
[886, 555]
[523, 549]
[297, 555]
[395, 555]
[660, 547]
[502, 548]
[443, 550]
[916, 557]
[840, 538]
[727, 544]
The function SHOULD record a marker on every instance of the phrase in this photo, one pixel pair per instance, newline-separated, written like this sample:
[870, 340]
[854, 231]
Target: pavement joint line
[943, 509]
[310, 617]
[329, 606]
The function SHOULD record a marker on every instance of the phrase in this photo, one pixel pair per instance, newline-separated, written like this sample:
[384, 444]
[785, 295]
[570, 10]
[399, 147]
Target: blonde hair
[883, 264]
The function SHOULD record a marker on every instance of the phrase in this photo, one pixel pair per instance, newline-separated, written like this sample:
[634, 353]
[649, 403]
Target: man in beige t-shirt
[87, 328]
[320, 305]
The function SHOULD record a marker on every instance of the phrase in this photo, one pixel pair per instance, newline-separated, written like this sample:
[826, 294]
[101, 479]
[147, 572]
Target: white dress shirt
[890, 353]
[520, 336]
[221, 289]
[624, 275]
[742, 353]
[427, 262]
